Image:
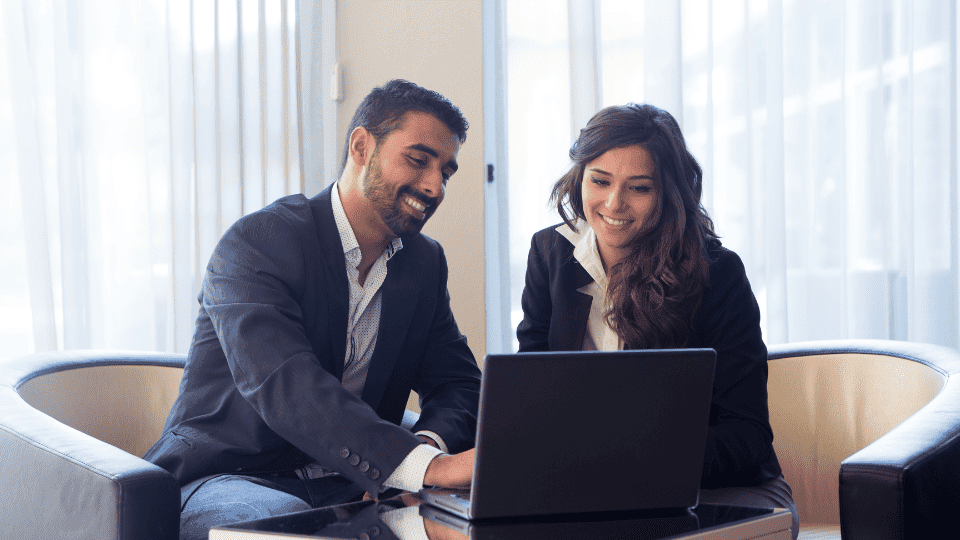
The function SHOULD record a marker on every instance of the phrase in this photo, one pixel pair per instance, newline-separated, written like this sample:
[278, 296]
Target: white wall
[437, 44]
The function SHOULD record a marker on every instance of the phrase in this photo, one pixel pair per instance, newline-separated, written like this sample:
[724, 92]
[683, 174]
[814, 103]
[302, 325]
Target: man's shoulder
[422, 241]
[290, 212]
[295, 208]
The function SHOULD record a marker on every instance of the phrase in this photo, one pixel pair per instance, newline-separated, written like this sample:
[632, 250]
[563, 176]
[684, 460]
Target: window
[826, 130]
[131, 135]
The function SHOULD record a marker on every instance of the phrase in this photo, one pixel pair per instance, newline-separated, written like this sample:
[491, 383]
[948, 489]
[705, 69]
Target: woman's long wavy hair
[656, 289]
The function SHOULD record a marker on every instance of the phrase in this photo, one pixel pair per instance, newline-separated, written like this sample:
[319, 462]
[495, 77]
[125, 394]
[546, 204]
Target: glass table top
[406, 518]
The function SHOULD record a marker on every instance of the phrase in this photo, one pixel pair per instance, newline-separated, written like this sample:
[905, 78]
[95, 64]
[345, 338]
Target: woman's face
[619, 194]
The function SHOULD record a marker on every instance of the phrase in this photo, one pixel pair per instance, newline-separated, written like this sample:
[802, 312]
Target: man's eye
[418, 162]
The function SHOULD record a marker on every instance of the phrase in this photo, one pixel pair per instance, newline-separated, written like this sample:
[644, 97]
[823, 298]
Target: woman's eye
[642, 189]
[598, 181]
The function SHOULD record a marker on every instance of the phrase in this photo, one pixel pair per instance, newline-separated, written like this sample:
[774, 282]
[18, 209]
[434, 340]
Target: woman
[636, 264]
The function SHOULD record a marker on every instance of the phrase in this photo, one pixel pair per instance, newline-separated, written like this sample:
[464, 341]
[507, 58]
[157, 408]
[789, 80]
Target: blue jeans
[230, 498]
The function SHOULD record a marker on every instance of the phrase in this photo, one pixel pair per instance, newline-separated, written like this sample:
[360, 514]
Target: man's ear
[361, 146]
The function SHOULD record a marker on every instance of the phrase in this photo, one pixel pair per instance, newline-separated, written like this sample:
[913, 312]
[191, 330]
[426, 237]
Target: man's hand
[454, 471]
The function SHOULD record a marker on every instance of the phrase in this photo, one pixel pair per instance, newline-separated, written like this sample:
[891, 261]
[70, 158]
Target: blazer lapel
[337, 291]
[568, 327]
[400, 292]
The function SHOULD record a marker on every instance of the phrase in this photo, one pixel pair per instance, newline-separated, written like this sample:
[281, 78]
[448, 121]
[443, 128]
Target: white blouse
[598, 336]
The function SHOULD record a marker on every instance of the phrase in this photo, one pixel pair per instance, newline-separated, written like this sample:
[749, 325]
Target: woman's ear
[361, 146]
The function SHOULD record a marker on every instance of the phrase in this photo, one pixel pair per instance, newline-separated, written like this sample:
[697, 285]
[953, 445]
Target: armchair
[72, 428]
[868, 434]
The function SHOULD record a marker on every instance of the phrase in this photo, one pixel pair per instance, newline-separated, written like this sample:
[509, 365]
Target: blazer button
[374, 531]
[365, 466]
[354, 459]
[344, 452]
[374, 474]
[364, 536]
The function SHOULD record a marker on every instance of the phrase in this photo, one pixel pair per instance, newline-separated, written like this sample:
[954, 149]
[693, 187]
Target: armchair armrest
[56, 481]
[906, 484]
[902, 482]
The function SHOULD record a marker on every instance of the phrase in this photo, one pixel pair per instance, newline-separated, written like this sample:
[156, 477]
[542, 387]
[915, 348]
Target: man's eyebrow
[637, 177]
[424, 148]
[452, 164]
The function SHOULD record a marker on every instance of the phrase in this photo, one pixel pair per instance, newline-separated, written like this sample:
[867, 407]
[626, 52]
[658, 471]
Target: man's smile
[416, 205]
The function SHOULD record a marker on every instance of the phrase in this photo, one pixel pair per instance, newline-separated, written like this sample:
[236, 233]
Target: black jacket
[261, 389]
[739, 449]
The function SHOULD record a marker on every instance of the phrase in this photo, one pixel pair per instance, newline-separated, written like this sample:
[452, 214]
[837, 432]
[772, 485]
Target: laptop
[587, 431]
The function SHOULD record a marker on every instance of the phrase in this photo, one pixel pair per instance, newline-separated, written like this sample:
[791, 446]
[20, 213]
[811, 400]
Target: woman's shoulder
[553, 237]
[553, 231]
[726, 269]
[723, 259]
[551, 246]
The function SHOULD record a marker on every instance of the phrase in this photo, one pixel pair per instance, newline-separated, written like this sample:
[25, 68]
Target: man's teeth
[614, 222]
[415, 203]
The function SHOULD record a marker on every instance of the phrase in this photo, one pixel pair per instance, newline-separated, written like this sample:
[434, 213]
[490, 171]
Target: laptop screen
[584, 431]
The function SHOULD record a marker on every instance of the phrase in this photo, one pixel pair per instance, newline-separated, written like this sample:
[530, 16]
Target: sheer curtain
[827, 131]
[132, 134]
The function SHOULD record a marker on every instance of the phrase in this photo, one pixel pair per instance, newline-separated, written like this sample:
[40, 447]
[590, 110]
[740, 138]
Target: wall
[437, 44]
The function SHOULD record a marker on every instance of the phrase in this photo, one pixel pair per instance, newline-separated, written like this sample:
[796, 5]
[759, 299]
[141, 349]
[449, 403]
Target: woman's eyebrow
[637, 177]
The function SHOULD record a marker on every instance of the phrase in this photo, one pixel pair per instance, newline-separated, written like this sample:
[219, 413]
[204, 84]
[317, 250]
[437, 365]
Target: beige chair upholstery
[868, 435]
[73, 426]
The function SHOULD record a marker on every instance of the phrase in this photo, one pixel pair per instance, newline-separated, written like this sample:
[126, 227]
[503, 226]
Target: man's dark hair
[382, 111]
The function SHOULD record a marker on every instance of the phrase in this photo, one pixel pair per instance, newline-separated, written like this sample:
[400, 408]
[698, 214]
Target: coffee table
[405, 518]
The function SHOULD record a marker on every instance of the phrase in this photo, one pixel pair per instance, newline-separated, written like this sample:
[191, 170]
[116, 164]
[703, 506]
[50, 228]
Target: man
[317, 318]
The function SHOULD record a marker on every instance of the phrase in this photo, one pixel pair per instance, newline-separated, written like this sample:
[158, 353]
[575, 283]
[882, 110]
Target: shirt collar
[584, 240]
[351, 248]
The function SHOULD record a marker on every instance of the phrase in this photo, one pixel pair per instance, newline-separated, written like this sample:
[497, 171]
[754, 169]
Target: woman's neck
[610, 256]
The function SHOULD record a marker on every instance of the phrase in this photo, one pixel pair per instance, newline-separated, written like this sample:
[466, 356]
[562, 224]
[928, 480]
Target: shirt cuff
[436, 438]
[412, 470]
[405, 523]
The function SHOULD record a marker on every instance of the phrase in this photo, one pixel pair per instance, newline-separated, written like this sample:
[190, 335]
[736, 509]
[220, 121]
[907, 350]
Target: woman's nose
[614, 199]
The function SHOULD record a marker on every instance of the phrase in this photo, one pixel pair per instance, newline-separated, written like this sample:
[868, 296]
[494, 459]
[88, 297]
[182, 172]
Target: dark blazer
[739, 449]
[261, 389]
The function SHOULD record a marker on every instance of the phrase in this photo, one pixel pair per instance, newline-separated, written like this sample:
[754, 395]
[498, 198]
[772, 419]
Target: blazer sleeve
[533, 332]
[739, 439]
[252, 293]
[449, 380]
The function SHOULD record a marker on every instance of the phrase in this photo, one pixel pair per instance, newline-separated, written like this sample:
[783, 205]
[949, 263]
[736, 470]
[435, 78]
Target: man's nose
[432, 183]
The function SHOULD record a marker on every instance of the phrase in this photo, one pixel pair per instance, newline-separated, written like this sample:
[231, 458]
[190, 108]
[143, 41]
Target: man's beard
[388, 202]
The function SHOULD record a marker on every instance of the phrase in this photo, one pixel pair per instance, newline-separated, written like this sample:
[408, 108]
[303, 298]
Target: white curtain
[132, 134]
[827, 131]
